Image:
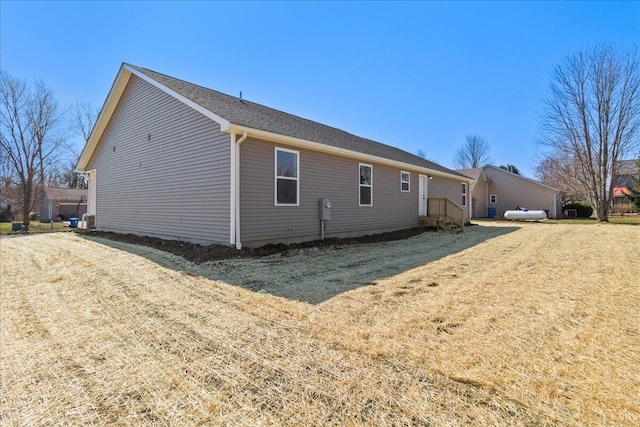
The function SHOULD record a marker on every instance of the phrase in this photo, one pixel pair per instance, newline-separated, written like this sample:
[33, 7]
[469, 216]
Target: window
[405, 181]
[287, 165]
[493, 199]
[464, 194]
[366, 185]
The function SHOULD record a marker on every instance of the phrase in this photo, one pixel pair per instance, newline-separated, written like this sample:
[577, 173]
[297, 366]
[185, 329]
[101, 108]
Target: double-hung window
[287, 178]
[405, 181]
[493, 199]
[366, 185]
[464, 194]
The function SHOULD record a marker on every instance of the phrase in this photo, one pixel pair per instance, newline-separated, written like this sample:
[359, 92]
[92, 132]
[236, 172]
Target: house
[496, 190]
[63, 203]
[627, 169]
[172, 159]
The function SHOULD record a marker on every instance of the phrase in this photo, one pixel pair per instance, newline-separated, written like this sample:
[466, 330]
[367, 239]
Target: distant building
[627, 169]
[496, 191]
[63, 203]
[6, 208]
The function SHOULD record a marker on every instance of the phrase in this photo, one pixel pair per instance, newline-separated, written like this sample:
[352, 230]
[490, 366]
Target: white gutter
[236, 189]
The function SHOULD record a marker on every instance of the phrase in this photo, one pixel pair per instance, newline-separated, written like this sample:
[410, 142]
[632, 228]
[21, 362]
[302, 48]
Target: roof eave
[316, 146]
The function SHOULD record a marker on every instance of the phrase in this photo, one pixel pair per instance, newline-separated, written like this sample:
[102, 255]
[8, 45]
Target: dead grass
[534, 327]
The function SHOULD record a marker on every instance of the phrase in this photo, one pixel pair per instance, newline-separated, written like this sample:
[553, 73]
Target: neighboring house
[6, 208]
[627, 169]
[620, 203]
[63, 203]
[496, 190]
[175, 160]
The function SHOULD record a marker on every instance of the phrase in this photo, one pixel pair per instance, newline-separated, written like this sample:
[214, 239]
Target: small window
[366, 185]
[287, 165]
[405, 181]
[493, 199]
[464, 194]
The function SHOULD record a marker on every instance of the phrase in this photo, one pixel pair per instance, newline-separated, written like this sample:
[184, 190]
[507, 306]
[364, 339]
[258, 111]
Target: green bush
[583, 209]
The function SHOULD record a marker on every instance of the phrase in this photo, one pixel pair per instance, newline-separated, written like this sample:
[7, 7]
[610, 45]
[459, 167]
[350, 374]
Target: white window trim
[364, 185]
[495, 199]
[465, 194]
[276, 177]
[408, 190]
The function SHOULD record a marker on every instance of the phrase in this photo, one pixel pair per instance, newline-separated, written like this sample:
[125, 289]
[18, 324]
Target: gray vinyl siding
[481, 197]
[451, 189]
[513, 192]
[321, 175]
[163, 169]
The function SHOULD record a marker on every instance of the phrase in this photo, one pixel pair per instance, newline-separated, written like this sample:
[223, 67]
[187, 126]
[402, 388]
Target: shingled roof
[628, 167]
[252, 115]
[73, 194]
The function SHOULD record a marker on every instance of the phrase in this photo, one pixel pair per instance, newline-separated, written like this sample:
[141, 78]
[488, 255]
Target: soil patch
[198, 253]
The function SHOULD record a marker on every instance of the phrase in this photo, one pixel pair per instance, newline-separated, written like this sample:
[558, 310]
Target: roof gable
[234, 114]
[520, 177]
[477, 174]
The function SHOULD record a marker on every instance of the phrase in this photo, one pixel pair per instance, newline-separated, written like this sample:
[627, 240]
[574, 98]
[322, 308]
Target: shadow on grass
[314, 275]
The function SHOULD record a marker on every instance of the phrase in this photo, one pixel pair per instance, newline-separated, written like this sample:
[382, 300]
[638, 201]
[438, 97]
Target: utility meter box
[325, 209]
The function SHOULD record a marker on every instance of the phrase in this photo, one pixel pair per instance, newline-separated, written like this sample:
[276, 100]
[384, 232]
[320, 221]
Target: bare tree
[592, 118]
[83, 117]
[28, 120]
[474, 153]
[561, 173]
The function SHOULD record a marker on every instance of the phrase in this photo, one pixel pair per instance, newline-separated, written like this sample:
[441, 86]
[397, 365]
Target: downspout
[237, 187]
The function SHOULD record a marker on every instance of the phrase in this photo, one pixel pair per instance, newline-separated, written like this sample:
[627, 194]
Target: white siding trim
[408, 190]
[360, 185]
[91, 199]
[112, 101]
[465, 194]
[276, 177]
[110, 104]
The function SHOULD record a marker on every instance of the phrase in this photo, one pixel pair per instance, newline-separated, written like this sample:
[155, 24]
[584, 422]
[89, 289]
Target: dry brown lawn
[534, 324]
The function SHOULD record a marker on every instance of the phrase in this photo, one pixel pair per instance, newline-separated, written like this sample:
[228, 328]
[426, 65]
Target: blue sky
[416, 75]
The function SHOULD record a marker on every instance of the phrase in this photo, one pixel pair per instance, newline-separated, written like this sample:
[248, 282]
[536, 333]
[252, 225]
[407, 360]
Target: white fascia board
[109, 106]
[316, 146]
[117, 89]
[224, 124]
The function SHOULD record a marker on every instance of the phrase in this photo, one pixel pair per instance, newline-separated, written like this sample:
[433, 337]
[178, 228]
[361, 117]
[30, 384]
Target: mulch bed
[198, 253]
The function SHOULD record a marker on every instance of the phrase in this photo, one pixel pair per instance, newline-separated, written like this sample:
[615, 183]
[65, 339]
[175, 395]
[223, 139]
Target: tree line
[35, 141]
